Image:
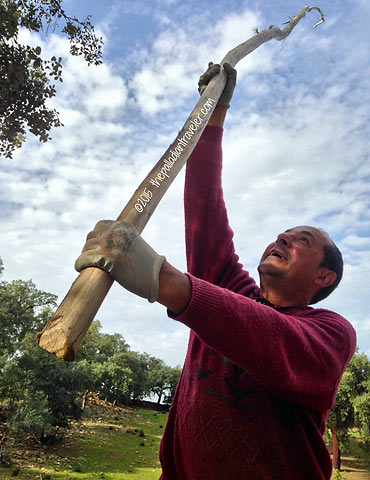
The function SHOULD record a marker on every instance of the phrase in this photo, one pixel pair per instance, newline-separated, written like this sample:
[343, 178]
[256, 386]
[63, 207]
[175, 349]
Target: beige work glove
[212, 70]
[117, 248]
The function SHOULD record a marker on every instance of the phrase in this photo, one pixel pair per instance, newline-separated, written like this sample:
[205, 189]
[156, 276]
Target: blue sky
[296, 147]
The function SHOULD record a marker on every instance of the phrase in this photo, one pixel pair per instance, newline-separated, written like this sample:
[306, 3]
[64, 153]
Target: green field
[111, 443]
[116, 443]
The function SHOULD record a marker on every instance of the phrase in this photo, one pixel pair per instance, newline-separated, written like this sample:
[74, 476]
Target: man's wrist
[218, 116]
[174, 289]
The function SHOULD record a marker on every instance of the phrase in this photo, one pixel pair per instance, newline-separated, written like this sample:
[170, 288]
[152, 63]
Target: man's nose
[284, 239]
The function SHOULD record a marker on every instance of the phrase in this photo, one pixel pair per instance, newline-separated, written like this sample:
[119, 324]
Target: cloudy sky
[296, 146]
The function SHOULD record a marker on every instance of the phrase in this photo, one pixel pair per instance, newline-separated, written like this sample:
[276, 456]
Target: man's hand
[212, 70]
[117, 248]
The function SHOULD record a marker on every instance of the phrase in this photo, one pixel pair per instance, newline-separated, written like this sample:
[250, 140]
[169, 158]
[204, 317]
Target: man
[262, 368]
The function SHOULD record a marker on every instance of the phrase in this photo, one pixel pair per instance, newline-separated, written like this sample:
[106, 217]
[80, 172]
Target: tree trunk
[336, 450]
[84, 398]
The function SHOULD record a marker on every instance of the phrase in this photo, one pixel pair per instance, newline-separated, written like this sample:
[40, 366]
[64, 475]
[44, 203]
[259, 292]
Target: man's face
[294, 258]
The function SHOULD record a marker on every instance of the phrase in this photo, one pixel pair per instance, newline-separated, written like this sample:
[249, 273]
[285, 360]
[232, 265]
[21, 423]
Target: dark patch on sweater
[237, 392]
[188, 376]
[227, 400]
[237, 370]
[202, 374]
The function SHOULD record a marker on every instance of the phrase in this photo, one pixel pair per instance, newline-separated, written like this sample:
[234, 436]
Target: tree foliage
[26, 78]
[38, 390]
[122, 375]
[31, 415]
[41, 393]
[163, 380]
[352, 405]
[23, 308]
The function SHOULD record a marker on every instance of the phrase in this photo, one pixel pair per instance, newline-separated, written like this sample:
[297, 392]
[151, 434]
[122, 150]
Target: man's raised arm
[209, 244]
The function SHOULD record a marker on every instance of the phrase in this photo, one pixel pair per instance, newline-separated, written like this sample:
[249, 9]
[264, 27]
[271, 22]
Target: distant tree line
[40, 394]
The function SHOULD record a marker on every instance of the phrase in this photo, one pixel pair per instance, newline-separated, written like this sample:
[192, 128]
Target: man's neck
[277, 299]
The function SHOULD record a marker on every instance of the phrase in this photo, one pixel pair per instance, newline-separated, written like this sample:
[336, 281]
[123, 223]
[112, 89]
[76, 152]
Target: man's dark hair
[334, 261]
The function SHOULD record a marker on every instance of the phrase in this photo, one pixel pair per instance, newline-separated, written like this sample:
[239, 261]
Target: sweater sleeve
[300, 355]
[209, 238]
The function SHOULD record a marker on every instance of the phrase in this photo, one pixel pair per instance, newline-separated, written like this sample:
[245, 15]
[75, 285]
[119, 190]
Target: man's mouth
[277, 253]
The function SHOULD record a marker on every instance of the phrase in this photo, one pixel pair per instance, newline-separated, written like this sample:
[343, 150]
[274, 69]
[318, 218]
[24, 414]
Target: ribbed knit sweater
[257, 382]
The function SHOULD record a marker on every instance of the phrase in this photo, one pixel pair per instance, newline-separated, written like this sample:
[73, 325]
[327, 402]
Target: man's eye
[305, 239]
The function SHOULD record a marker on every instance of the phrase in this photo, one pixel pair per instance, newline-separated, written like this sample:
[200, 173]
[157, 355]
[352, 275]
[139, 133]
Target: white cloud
[172, 65]
[295, 151]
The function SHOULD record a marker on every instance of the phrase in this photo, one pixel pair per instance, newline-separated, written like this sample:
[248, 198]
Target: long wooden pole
[67, 327]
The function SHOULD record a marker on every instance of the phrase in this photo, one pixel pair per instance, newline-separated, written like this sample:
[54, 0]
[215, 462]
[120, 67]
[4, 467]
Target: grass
[111, 443]
[114, 443]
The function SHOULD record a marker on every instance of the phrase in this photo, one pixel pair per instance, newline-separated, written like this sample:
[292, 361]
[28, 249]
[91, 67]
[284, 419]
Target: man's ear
[326, 278]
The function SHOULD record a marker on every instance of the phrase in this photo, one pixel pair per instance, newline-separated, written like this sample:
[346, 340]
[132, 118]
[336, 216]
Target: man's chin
[269, 268]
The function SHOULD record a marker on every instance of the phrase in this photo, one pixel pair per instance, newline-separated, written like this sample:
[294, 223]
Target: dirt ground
[354, 468]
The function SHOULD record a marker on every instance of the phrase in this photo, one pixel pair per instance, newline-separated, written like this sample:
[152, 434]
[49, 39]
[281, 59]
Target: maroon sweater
[258, 382]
